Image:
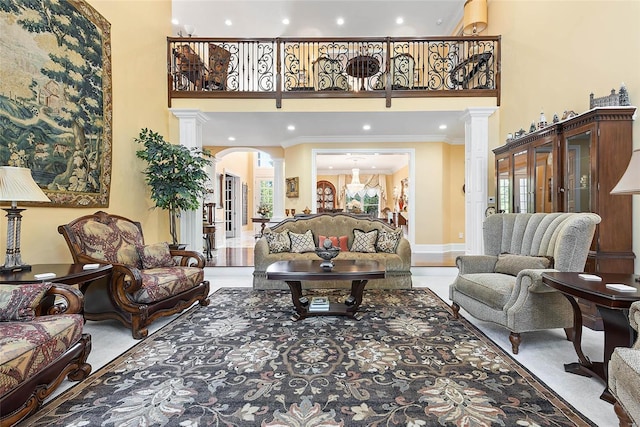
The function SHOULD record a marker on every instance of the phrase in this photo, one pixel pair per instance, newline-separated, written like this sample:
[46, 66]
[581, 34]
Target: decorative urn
[327, 252]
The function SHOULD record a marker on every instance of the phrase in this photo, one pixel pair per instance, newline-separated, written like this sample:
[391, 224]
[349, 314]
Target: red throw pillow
[340, 242]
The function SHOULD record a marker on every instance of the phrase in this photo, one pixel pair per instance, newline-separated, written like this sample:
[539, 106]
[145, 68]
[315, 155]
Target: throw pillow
[364, 241]
[340, 242]
[513, 264]
[278, 242]
[388, 241]
[302, 242]
[19, 302]
[156, 255]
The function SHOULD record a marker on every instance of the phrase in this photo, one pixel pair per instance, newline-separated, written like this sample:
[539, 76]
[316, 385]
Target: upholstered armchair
[328, 75]
[624, 376]
[148, 281]
[41, 343]
[504, 286]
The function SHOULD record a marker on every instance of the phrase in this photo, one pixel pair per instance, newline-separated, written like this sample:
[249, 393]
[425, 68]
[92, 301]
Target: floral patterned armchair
[148, 281]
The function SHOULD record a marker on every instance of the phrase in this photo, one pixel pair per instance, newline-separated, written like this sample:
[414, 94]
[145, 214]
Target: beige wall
[554, 53]
[138, 31]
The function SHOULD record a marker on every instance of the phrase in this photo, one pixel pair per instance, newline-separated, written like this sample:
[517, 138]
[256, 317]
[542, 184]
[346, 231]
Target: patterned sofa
[41, 342]
[362, 238]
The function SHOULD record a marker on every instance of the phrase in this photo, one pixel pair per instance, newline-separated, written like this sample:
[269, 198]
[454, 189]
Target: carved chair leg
[623, 417]
[456, 310]
[515, 339]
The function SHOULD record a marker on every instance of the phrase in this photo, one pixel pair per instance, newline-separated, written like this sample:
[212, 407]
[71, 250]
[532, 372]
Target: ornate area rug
[242, 361]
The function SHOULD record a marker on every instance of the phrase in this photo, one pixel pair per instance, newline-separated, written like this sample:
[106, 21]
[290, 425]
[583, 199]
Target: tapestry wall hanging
[55, 98]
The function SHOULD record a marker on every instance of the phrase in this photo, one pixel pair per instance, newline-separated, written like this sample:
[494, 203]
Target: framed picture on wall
[292, 187]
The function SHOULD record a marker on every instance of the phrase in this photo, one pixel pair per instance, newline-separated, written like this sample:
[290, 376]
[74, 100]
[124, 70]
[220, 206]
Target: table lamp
[17, 185]
[630, 181]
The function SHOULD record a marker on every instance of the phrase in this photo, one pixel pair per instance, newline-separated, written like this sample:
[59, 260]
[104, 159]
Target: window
[366, 201]
[264, 160]
[264, 195]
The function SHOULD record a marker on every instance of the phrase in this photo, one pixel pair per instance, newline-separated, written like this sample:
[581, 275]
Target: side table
[362, 67]
[612, 305]
[69, 274]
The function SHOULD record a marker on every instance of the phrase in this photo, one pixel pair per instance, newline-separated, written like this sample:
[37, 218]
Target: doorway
[231, 208]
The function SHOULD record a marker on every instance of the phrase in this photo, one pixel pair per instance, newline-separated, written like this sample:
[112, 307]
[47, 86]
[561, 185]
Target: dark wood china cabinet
[572, 166]
[325, 197]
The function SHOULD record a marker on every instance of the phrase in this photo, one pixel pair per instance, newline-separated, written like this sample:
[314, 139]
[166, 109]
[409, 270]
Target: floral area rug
[242, 361]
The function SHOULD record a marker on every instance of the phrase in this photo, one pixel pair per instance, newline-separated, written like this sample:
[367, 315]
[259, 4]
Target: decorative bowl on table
[327, 252]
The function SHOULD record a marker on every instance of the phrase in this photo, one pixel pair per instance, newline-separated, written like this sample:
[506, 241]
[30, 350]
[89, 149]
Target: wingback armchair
[624, 375]
[148, 281]
[504, 286]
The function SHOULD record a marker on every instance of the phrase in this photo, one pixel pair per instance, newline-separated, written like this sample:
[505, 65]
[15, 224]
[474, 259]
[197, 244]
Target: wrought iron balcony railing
[283, 68]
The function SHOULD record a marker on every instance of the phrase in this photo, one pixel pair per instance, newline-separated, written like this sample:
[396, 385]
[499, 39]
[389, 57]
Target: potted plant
[175, 174]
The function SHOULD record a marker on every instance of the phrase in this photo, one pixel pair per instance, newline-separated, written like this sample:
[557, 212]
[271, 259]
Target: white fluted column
[190, 125]
[278, 190]
[476, 141]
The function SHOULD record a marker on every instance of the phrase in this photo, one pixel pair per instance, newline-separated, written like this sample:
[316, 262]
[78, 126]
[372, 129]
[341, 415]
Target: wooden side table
[362, 67]
[614, 309]
[262, 221]
[70, 274]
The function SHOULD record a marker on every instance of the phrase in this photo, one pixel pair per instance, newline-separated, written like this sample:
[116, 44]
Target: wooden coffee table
[613, 306]
[359, 272]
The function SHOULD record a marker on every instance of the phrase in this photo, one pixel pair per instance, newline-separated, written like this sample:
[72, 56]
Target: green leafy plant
[175, 175]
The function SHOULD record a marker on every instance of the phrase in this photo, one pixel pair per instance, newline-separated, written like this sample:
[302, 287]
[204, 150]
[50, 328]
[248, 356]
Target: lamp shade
[630, 181]
[475, 16]
[17, 185]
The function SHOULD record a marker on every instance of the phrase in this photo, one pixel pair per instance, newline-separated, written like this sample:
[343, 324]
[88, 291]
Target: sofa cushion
[301, 243]
[340, 242]
[28, 347]
[388, 241]
[278, 242]
[494, 290]
[164, 282]
[364, 241]
[19, 302]
[155, 255]
[513, 264]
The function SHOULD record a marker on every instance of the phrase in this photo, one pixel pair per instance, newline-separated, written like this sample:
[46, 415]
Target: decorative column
[278, 190]
[190, 122]
[476, 142]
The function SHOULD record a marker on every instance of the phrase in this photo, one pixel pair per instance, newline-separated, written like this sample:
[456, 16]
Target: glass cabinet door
[521, 183]
[578, 169]
[504, 185]
[543, 176]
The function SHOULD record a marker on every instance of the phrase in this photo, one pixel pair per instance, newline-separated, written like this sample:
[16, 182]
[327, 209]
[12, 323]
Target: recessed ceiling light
[291, 127]
[439, 21]
[443, 127]
[232, 138]
[340, 21]
[174, 21]
[228, 22]
[330, 167]
[399, 20]
[366, 127]
[376, 154]
[373, 167]
[285, 21]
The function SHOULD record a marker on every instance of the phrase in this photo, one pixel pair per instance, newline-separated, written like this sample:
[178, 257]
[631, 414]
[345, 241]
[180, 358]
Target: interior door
[230, 209]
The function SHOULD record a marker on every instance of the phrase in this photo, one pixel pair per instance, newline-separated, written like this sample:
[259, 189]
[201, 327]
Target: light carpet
[243, 361]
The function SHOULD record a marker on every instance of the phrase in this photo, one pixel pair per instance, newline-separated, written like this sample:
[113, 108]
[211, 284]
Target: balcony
[287, 68]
